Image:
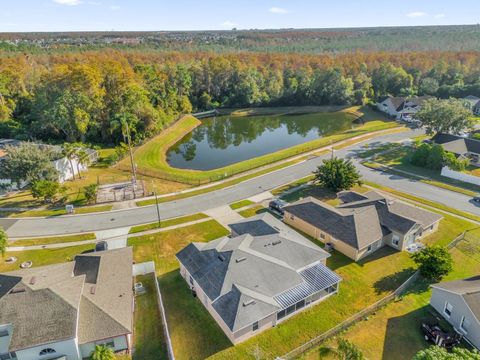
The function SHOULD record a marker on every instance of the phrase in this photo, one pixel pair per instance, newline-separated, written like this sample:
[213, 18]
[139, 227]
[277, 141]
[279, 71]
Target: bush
[454, 163]
[90, 192]
[337, 174]
[45, 189]
[434, 262]
[434, 157]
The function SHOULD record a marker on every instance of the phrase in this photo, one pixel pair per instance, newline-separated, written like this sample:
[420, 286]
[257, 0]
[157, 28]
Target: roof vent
[249, 302]
[33, 280]
[92, 290]
[241, 259]
[221, 258]
[17, 290]
[276, 242]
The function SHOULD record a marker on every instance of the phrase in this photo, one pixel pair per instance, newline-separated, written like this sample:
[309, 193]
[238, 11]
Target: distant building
[401, 108]
[259, 276]
[459, 303]
[363, 223]
[461, 146]
[473, 103]
[62, 311]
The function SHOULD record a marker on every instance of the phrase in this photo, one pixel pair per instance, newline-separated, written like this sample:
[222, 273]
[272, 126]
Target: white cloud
[228, 24]
[440, 16]
[68, 2]
[277, 10]
[115, 7]
[416, 14]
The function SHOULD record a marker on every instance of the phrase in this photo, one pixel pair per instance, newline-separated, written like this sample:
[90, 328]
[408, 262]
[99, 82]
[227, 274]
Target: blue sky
[103, 15]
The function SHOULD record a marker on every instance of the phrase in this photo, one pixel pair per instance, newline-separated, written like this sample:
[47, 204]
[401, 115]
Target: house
[62, 311]
[473, 103]
[257, 277]
[462, 147]
[66, 169]
[459, 303]
[363, 223]
[401, 108]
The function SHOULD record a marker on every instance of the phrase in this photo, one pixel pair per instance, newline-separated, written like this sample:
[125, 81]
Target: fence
[149, 268]
[352, 320]
[471, 179]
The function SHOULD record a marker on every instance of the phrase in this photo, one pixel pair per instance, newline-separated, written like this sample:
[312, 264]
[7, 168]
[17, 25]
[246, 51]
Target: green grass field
[151, 157]
[167, 223]
[240, 204]
[52, 240]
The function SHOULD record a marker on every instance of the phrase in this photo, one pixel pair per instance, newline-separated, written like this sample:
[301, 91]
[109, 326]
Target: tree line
[86, 96]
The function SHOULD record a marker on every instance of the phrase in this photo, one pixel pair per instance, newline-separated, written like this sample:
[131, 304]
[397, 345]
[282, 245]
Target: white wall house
[401, 108]
[62, 311]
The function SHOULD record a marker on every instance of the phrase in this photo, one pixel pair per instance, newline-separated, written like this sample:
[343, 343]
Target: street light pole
[158, 209]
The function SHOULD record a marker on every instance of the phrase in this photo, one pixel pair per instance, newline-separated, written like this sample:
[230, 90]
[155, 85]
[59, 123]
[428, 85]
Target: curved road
[30, 227]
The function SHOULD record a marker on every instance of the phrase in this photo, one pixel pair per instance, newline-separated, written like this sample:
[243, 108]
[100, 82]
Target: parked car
[277, 205]
[101, 246]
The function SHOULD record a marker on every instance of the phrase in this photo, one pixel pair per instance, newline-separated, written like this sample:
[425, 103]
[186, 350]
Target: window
[110, 344]
[369, 248]
[464, 325]
[191, 280]
[322, 236]
[448, 309]
[292, 217]
[290, 309]
[395, 239]
[47, 351]
[281, 314]
[300, 305]
[255, 326]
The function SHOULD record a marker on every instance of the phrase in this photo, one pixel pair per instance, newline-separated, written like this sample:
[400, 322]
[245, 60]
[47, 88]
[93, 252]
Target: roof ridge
[103, 311]
[246, 248]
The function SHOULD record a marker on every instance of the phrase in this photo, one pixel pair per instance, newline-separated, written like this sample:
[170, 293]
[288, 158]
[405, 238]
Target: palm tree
[102, 352]
[70, 152]
[83, 158]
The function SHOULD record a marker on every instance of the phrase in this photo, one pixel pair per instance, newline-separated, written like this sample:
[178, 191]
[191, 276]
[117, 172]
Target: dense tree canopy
[434, 262]
[438, 353]
[337, 174]
[80, 96]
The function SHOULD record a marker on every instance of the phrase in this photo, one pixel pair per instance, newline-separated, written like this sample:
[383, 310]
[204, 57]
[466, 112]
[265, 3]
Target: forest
[85, 95]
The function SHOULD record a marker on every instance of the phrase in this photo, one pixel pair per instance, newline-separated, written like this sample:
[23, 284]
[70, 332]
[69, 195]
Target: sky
[150, 15]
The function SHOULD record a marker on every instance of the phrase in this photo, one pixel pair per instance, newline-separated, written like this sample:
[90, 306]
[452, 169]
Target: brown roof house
[257, 277]
[62, 311]
[459, 303]
[363, 223]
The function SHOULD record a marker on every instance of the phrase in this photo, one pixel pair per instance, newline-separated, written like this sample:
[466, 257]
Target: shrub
[337, 174]
[434, 262]
[90, 192]
[45, 189]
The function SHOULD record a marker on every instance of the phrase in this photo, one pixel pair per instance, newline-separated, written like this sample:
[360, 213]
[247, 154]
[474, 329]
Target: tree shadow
[391, 282]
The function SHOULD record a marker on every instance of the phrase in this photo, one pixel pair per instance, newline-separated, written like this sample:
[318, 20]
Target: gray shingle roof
[242, 275]
[468, 288]
[253, 227]
[457, 144]
[55, 299]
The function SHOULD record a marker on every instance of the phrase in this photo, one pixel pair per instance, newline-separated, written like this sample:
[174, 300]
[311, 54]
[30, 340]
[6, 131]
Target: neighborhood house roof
[44, 304]
[468, 289]
[399, 102]
[245, 276]
[362, 219]
[457, 144]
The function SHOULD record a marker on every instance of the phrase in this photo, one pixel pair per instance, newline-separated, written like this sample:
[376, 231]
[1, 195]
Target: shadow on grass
[194, 332]
[404, 337]
[391, 282]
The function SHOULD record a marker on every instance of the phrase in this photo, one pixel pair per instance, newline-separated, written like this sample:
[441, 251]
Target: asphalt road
[135, 216]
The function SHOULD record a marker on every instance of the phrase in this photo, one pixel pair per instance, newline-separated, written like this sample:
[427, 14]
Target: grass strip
[240, 204]
[167, 223]
[52, 240]
[57, 212]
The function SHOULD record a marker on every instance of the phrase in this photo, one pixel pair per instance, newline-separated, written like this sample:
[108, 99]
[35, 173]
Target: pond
[225, 140]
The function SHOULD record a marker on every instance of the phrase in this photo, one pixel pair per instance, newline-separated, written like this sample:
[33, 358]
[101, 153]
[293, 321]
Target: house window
[191, 280]
[464, 324]
[395, 239]
[322, 236]
[300, 304]
[290, 309]
[255, 326]
[292, 217]
[369, 248]
[47, 351]
[281, 314]
[110, 344]
[448, 309]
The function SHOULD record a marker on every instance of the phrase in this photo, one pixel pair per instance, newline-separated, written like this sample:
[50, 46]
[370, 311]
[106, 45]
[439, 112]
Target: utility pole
[158, 209]
[129, 143]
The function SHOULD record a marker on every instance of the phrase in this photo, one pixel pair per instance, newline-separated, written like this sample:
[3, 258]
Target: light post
[156, 205]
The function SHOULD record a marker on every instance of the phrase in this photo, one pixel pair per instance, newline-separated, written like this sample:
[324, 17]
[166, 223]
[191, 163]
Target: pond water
[225, 140]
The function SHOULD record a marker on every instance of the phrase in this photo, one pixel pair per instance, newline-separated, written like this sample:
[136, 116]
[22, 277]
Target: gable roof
[457, 144]
[242, 275]
[53, 299]
[468, 289]
[362, 219]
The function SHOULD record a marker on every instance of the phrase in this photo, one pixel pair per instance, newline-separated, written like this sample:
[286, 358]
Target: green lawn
[240, 204]
[397, 326]
[167, 223]
[43, 257]
[52, 240]
[57, 212]
[255, 210]
[193, 331]
[149, 339]
[151, 157]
